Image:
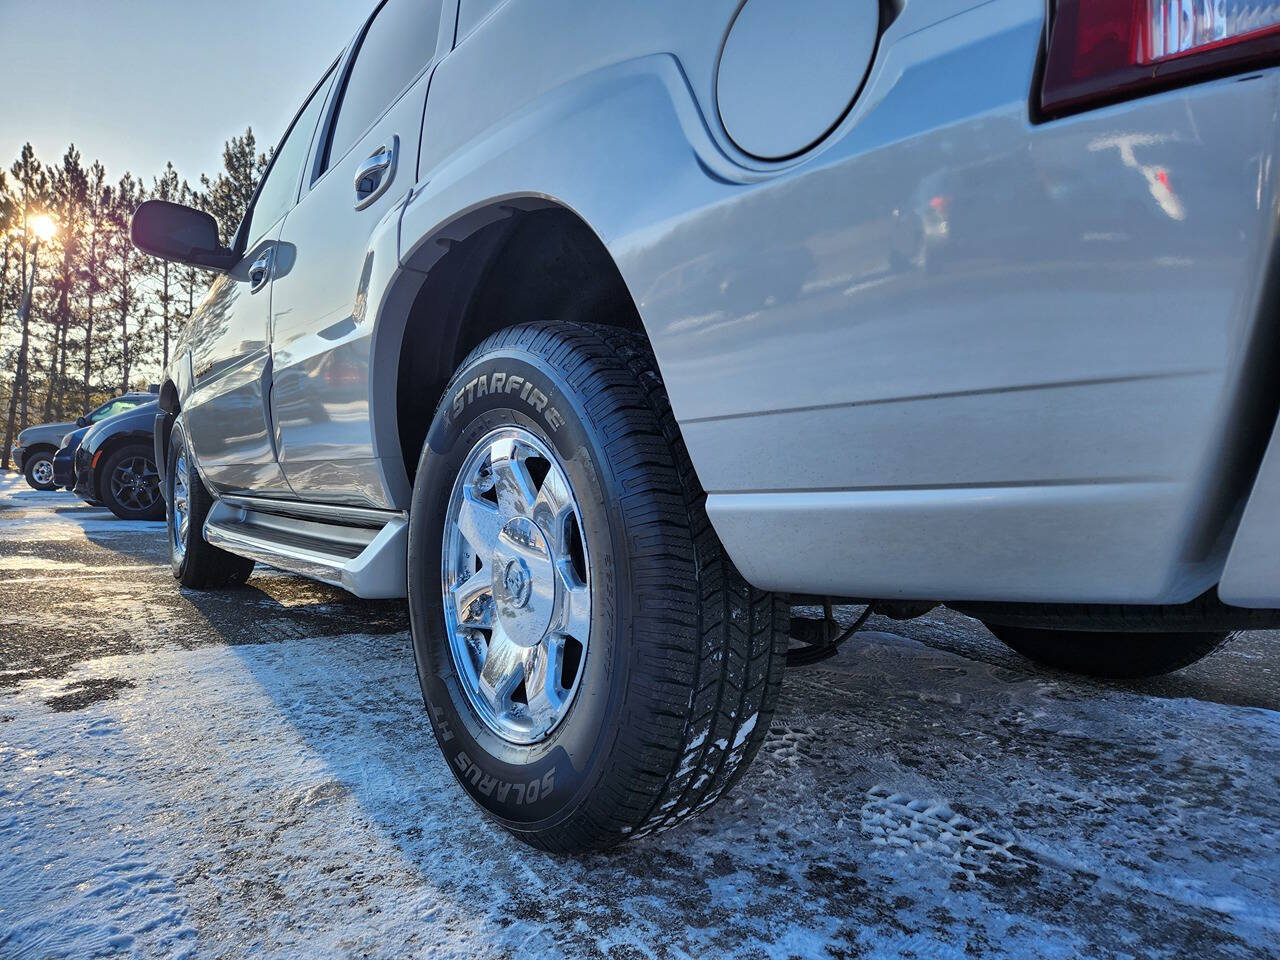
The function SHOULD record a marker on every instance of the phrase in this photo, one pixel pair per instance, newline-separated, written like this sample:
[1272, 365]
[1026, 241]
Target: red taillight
[1106, 50]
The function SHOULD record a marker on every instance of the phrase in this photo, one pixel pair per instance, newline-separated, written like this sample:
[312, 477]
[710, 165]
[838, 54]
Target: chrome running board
[326, 512]
[365, 555]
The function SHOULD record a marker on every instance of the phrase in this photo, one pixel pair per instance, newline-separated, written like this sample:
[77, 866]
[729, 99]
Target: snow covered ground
[250, 774]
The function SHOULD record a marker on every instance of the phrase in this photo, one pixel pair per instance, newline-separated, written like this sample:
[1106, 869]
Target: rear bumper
[64, 470]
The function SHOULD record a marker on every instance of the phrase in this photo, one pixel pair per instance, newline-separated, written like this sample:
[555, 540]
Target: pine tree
[123, 265]
[227, 195]
[165, 187]
[70, 193]
[8, 219]
[98, 225]
[8, 253]
[33, 182]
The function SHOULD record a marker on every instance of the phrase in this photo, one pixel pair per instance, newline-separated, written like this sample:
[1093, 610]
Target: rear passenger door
[361, 169]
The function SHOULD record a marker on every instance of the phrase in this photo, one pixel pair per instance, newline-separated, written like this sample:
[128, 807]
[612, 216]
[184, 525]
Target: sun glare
[43, 226]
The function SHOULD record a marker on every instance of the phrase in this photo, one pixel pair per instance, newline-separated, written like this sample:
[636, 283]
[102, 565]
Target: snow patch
[745, 730]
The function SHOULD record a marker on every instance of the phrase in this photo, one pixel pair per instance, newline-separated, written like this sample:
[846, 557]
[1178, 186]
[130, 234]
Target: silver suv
[607, 332]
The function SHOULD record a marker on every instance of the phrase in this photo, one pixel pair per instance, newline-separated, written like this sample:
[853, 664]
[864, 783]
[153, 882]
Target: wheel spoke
[513, 485]
[542, 667]
[472, 599]
[575, 609]
[480, 522]
[551, 508]
[503, 669]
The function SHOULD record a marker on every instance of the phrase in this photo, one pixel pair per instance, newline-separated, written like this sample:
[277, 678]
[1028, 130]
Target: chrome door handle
[375, 174]
[260, 272]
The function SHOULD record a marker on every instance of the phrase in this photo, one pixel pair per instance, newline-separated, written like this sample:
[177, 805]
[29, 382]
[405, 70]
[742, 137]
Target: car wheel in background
[1116, 656]
[130, 485]
[594, 667]
[195, 562]
[38, 469]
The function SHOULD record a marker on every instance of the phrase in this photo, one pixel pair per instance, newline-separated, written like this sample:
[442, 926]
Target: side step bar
[363, 551]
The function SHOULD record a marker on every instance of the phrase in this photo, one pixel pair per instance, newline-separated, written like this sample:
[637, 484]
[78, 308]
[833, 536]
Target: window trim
[321, 161]
[239, 242]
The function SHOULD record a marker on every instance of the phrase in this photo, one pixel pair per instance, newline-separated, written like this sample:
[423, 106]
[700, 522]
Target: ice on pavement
[255, 777]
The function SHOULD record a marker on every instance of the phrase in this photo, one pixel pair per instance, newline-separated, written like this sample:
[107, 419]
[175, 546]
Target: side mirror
[82, 421]
[174, 232]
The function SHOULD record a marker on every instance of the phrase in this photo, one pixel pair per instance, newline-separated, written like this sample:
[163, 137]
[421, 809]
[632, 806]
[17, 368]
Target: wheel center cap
[524, 582]
[517, 581]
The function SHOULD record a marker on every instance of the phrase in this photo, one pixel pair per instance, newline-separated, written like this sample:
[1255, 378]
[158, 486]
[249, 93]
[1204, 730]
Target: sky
[135, 83]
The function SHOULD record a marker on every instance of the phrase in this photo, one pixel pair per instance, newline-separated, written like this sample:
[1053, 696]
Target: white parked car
[607, 332]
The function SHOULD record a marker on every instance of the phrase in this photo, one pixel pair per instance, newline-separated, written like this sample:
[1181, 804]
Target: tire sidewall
[526, 788]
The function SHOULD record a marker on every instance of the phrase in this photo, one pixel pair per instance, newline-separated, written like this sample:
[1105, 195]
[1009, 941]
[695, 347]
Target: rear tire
[195, 562]
[1114, 656]
[681, 666]
[38, 469]
[130, 485]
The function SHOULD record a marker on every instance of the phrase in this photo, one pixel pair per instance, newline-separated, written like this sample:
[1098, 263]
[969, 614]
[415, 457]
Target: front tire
[38, 469]
[1112, 656]
[195, 562]
[548, 432]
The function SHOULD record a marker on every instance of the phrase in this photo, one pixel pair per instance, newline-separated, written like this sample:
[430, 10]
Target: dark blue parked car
[116, 465]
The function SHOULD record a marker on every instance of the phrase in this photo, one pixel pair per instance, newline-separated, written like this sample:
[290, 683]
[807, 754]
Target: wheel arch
[509, 260]
[603, 167]
[168, 397]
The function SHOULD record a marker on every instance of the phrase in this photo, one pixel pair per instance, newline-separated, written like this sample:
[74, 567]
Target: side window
[110, 409]
[400, 41]
[281, 184]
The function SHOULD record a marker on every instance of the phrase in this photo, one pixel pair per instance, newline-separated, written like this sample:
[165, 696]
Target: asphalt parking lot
[251, 773]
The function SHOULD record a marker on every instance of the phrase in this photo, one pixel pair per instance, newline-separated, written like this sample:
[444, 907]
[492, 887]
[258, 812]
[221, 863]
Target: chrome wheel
[517, 591]
[179, 504]
[135, 484]
[42, 471]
